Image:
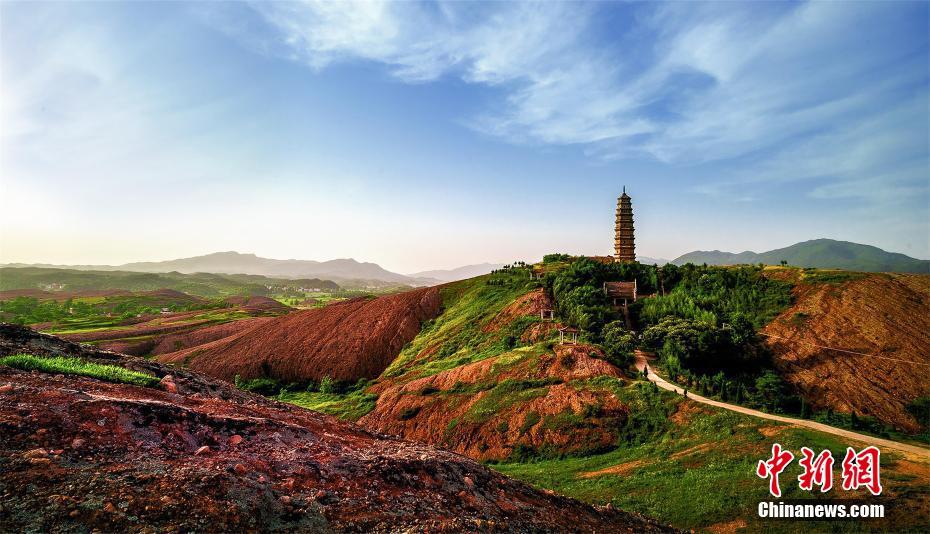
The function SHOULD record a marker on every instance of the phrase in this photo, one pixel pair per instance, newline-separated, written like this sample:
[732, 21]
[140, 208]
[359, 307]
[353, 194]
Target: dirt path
[641, 363]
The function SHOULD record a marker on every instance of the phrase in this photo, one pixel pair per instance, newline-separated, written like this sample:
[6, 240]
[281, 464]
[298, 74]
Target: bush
[263, 386]
[328, 385]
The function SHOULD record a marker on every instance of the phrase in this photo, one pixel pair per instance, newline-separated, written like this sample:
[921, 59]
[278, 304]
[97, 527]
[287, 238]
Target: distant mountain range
[459, 273]
[820, 253]
[344, 271]
[646, 260]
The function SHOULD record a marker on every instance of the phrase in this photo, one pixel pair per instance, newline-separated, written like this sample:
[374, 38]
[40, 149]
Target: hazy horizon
[424, 136]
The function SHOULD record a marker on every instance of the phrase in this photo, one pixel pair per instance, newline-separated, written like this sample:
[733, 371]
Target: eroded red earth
[78, 454]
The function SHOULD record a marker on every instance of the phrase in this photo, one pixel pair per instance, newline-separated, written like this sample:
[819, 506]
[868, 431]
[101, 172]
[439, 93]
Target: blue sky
[424, 135]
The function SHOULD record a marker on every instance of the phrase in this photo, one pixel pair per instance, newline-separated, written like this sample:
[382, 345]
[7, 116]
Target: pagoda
[623, 240]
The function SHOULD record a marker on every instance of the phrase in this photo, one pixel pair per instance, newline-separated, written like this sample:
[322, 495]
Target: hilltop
[818, 253]
[181, 452]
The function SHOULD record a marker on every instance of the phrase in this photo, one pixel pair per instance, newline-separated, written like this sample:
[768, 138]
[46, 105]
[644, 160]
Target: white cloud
[686, 83]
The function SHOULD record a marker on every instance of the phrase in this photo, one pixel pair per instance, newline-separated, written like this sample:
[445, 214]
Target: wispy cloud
[682, 83]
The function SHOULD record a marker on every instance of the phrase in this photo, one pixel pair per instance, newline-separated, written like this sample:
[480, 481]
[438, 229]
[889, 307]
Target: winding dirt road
[642, 363]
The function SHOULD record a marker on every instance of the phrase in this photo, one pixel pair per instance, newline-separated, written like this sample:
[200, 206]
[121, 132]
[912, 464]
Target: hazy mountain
[646, 260]
[459, 273]
[341, 270]
[821, 253]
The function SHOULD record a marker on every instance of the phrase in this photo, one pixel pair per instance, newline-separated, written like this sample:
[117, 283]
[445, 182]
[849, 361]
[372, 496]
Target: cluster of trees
[579, 295]
[701, 320]
[556, 258]
[714, 294]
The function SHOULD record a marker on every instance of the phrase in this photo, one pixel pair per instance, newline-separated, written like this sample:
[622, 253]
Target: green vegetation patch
[816, 276]
[350, 406]
[700, 471]
[456, 337]
[506, 394]
[77, 366]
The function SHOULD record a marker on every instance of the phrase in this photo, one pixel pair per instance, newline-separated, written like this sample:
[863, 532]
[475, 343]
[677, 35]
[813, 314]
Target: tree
[618, 343]
[770, 391]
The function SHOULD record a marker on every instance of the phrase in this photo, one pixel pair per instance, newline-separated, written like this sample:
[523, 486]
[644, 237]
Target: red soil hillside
[258, 304]
[183, 338]
[345, 341]
[194, 454]
[887, 315]
[487, 408]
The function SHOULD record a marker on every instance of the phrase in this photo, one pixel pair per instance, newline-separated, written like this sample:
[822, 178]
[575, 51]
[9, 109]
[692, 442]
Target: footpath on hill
[642, 363]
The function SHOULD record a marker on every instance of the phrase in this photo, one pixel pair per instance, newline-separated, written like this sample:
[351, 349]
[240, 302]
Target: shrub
[263, 386]
[408, 413]
[327, 385]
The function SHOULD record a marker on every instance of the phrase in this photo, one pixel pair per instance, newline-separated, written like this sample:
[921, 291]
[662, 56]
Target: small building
[165, 311]
[568, 335]
[620, 293]
[547, 315]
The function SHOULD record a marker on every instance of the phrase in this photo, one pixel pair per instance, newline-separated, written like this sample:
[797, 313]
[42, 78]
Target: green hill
[200, 284]
[818, 253]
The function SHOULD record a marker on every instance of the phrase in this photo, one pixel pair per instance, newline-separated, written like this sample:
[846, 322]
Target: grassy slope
[466, 305]
[701, 472]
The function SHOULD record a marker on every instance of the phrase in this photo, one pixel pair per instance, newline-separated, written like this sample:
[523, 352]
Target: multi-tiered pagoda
[624, 249]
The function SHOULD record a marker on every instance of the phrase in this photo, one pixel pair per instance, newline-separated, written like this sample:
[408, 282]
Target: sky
[433, 135]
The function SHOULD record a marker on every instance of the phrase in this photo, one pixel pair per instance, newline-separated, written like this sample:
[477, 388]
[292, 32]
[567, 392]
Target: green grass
[468, 305]
[703, 473]
[77, 366]
[812, 276]
[352, 406]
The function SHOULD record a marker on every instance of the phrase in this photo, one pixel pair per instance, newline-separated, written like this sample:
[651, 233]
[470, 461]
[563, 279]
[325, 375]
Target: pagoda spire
[624, 247]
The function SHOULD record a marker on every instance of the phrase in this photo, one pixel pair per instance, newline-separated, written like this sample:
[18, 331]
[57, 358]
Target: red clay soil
[529, 304]
[443, 417]
[259, 304]
[345, 341]
[196, 454]
[887, 315]
[183, 339]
